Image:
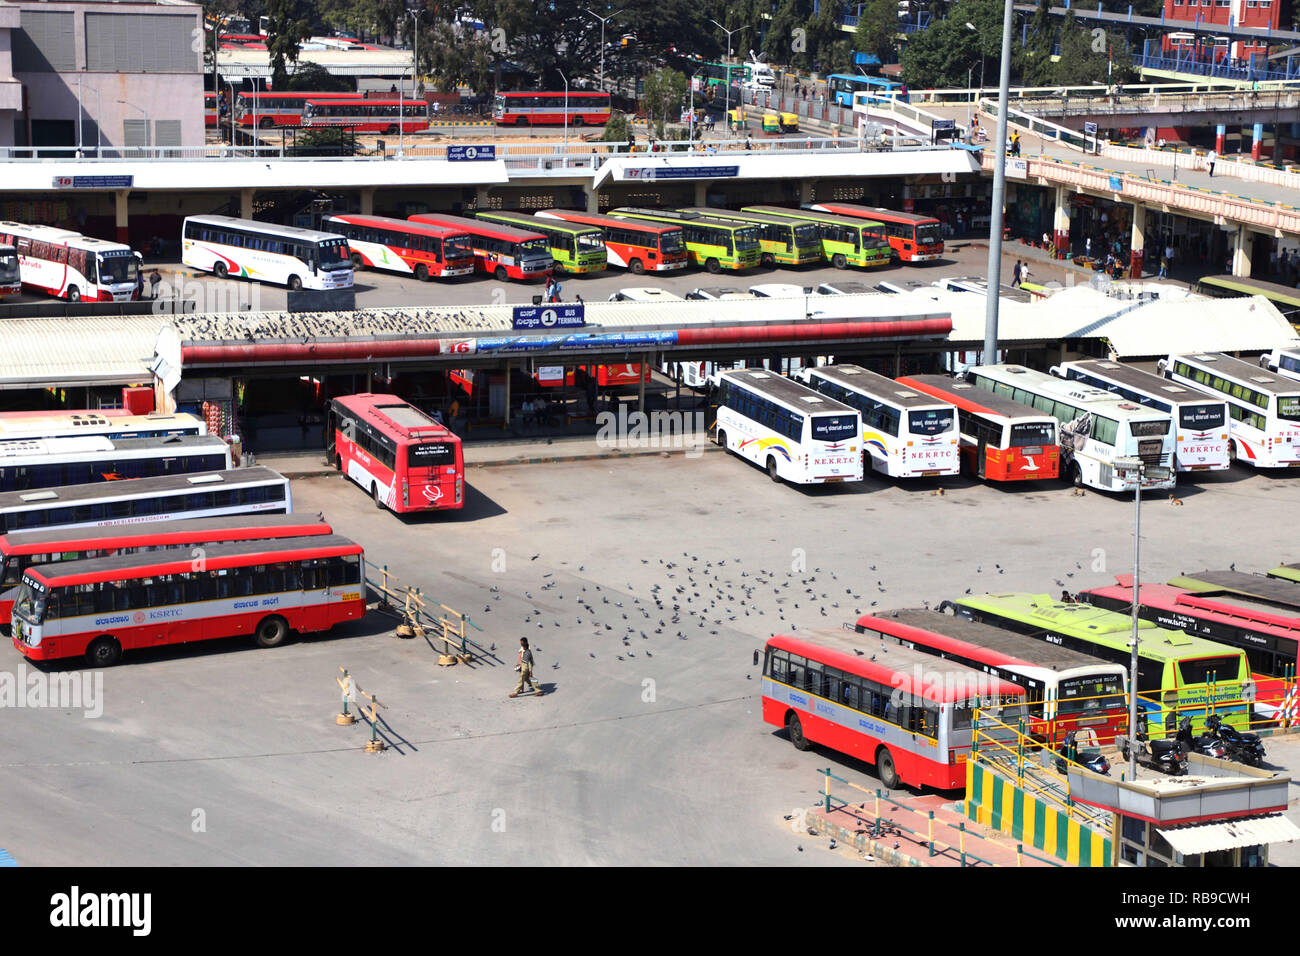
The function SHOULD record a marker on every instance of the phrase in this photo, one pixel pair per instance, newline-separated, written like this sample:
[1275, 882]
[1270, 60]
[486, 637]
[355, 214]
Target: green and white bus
[846, 241]
[1284, 298]
[716, 244]
[1178, 674]
[781, 241]
[575, 248]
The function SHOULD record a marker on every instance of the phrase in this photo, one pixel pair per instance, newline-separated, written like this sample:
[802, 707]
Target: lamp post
[603, 21]
[999, 192]
[690, 93]
[566, 115]
[232, 115]
[727, 71]
[415, 53]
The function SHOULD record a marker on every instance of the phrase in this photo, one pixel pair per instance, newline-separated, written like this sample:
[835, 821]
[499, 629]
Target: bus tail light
[406, 492]
[459, 485]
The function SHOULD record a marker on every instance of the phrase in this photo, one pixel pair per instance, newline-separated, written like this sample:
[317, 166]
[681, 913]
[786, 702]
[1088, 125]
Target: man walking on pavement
[525, 669]
[1210, 159]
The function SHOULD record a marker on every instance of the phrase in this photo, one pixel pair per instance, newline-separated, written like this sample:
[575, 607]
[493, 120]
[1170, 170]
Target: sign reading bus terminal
[549, 317]
[460, 154]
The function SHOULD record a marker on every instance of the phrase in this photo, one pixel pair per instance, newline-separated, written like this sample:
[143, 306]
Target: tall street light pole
[415, 63]
[727, 71]
[603, 21]
[999, 195]
[566, 115]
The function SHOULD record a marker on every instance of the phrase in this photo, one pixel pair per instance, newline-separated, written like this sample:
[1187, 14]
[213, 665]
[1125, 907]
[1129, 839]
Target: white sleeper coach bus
[1286, 362]
[1096, 428]
[287, 255]
[1265, 407]
[1201, 418]
[797, 434]
[906, 433]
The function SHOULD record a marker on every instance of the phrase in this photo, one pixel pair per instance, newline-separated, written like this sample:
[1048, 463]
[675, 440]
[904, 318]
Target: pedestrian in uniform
[1015, 276]
[525, 669]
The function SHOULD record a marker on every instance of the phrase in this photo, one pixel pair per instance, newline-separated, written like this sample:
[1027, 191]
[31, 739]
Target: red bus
[366, 116]
[1001, 439]
[21, 549]
[210, 110]
[636, 246]
[1269, 636]
[1065, 690]
[894, 708]
[913, 238]
[400, 246]
[101, 607]
[529, 108]
[279, 109]
[503, 252]
[406, 460]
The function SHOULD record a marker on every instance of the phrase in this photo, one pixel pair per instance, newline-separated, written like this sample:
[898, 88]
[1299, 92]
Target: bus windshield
[806, 233]
[746, 238]
[118, 269]
[591, 241]
[935, 421]
[8, 265]
[1079, 694]
[1288, 407]
[839, 428]
[30, 604]
[457, 247]
[1201, 417]
[535, 245]
[334, 254]
[929, 233]
[670, 244]
[1027, 433]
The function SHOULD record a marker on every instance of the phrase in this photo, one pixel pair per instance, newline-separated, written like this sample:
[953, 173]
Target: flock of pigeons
[238, 327]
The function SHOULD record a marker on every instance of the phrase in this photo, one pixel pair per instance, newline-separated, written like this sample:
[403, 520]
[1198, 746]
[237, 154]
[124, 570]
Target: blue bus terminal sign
[463, 154]
[556, 316]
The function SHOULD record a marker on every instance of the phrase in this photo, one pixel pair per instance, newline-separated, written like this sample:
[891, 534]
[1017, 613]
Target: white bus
[1096, 428]
[1265, 408]
[203, 495]
[1202, 419]
[53, 462]
[287, 255]
[789, 429]
[67, 264]
[107, 424]
[906, 433]
[1286, 362]
[11, 275]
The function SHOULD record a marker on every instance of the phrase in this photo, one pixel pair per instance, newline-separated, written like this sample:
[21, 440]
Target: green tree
[663, 93]
[288, 27]
[324, 141]
[617, 130]
[1086, 56]
[1036, 67]
[828, 45]
[781, 43]
[314, 77]
[877, 31]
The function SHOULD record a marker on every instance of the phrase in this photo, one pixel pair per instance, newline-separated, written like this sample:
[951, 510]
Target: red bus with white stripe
[102, 607]
[537, 108]
[405, 459]
[265, 110]
[10, 273]
[503, 252]
[396, 245]
[367, 116]
[67, 264]
[913, 237]
[635, 246]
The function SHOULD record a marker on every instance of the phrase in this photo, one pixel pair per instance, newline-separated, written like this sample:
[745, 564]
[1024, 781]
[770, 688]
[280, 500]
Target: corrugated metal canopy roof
[86, 350]
[1250, 831]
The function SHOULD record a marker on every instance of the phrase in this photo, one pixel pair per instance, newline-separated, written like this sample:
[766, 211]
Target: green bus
[716, 244]
[575, 248]
[1175, 670]
[781, 241]
[846, 241]
[715, 74]
[1286, 572]
[1286, 299]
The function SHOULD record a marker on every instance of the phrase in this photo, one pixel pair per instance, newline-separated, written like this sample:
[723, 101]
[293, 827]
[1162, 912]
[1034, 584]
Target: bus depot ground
[651, 751]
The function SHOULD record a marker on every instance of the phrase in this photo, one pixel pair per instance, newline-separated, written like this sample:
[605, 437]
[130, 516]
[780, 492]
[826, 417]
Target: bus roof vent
[1128, 406]
[1015, 370]
[811, 399]
[1178, 639]
[1172, 388]
[1263, 379]
[39, 496]
[962, 385]
[1108, 365]
[904, 393]
[758, 375]
[204, 479]
[1206, 358]
[850, 371]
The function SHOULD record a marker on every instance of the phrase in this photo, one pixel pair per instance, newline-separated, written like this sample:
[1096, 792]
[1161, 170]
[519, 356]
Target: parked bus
[845, 241]
[11, 276]
[1268, 637]
[1096, 429]
[396, 245]
[881, 709]
[390, 116]
[27, 464]
[796, 434]
[1285, 362]
[266, 252]
[207, 494]
[1178, 674]
[1265, 408]
[1001, 439]
[1286, 572]
[20, 550]
[102, 607]
[716, 244]
[842, 86]
[631, 245]
[1284, 298]
[1201, 420]
[781, 240]
[265, 110]
[528, 108]
[406, 460]
[102, 423]
[66, 264]
[1064, 690]
[210, 110]
[576, 249]
[914, 238]
[503, 252]
[905, 433]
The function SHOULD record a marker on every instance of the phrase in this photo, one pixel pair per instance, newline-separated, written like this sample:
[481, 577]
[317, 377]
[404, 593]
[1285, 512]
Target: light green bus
[1286, 572]
[846, 241]
[575, 248]
[716, 244]
[781, 241]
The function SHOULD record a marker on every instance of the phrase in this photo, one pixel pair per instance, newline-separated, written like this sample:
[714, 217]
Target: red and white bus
[366, 116]
[1001, 439]
[397, 245]
[71, 266]
[503, 252]
[11, 276]
[406, 460]
[894, 707]
[636, 246]
[536, 108]
[266, 110]
[210, 110]
[1065, 690]
[102, 607]
[913, 238]
[22, 549]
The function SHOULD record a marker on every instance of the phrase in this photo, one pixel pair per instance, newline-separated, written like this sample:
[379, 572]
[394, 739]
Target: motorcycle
[1208, 745]
[1096, 762]
[1243, 747]
[1168, 755]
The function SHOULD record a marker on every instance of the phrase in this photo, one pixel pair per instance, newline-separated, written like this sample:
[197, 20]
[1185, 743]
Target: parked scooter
[1242, 747]
[1168, 755]
[1097, 762]
[1207, 745]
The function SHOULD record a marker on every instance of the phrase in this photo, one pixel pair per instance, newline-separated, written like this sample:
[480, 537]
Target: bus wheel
[577, 121]
[219, 270]
[500, 274]
[838, 261]
[392, 130]
[885, 769]
[769, 260]
[1076, 475]
[771, 468]
[295, 283]
[1232, 452]
[374, 493]
[713, 266]
[104, 652]
[422, 272]
[521, 120]
[636, 267]
[271, 632]
[356, 260]
[74, 294]
[265, 123]
[794, 730]
[338, 462]
[722, 439]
